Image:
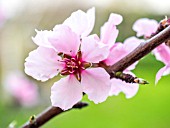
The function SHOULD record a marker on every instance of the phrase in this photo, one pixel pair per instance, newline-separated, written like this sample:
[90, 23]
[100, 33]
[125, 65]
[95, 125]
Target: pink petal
[66, 92]
[96, 84]
[128, 89]
[64, 40]
[42, 64]
[167, 71]
[162, 53]
[22, 89]
[115, 18]
[133, 66]
[145, 27]
[129, 45]
[41, 39]
[159, 74]
[92, 50]
[116, 53]
[109, 32]
[162, 72]
[80, 22]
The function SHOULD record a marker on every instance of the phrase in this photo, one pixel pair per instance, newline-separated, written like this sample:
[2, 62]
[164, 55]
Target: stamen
[79, 62]
[71, 72]
[74, 65]
[83, 68]
[64, 72]
[73, 59]
[78, 76]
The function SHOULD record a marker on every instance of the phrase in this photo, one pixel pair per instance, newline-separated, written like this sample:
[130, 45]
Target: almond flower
[109, 33]
[23, 90]
[69, 51]
[145, 27]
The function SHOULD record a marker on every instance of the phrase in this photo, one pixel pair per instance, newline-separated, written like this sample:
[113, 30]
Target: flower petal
[116, 19]
[41, 39]
[116, 53]
[109, 32]
[22, 89]
[42, 64]
[162, 72]
[96, 84]
[131, 43]
[80, 22]
[128, 89]
[92, 50]
[162, 53]
[145, 27]
[66, 92]
[64, 40]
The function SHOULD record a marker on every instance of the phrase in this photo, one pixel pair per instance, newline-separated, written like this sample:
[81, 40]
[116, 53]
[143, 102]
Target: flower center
[74, 65]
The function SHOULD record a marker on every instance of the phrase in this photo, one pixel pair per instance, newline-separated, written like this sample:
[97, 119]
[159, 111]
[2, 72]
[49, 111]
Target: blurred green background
[150, 108]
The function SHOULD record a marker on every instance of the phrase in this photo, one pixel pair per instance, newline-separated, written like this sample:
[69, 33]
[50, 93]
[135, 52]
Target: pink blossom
[68, 51]
[145, 27]
[162, 53]
[109, 33]
[22, 89]
[117, 52]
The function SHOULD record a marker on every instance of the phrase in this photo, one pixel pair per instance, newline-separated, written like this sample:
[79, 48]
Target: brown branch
[142, 50]
[121, 65]
[49, 114]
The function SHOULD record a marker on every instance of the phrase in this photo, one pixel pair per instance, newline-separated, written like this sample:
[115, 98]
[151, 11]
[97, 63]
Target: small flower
[162, 52]
[68, 51]
[22, 89]
[117, 52]
[109, 33]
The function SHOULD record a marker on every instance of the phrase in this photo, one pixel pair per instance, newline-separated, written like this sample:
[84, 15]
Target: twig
[48, 114]
[121, 65]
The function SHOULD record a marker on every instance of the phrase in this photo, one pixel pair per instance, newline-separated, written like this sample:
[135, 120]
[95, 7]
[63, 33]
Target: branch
[121, 65]
[142, 50]
[48, 114]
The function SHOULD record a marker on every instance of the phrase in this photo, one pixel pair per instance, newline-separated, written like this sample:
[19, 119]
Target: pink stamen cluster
[74, 65]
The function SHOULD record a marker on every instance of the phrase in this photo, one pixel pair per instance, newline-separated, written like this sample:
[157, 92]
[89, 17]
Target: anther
[79, 62]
